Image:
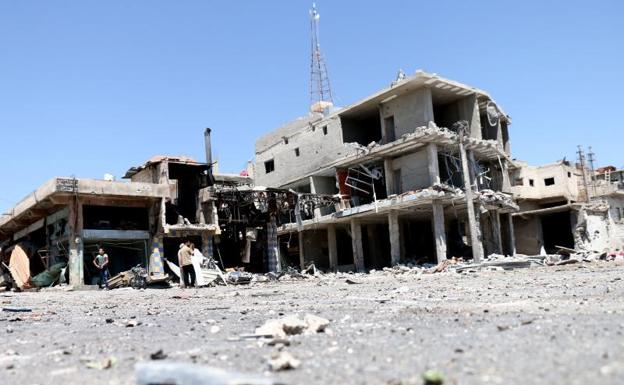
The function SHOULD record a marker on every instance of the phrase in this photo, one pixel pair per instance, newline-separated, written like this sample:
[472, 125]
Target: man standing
[101, 263]
[187, 272]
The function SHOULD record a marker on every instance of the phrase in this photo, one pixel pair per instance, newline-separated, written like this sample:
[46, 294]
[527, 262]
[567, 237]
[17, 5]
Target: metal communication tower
[320, 89]
[581, 157]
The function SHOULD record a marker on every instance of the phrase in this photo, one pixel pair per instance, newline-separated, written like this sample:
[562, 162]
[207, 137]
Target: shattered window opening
[269, 166]
[549, 181]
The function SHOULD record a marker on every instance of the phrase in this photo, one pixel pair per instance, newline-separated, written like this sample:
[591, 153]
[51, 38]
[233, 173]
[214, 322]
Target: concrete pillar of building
[301, 251]
[496, 231]
[439, 232]
[356, 243]
[384, 133]
[428, 105]
[506, 180]
[395, 237]
[389, 177]
[434, 168]
[512, 235]
[76, 243]
[332, 247]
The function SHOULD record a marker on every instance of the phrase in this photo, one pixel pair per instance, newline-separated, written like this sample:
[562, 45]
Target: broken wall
[528, 234]
[414, 171]
[411, 110]
[306, 148]
[315, 248]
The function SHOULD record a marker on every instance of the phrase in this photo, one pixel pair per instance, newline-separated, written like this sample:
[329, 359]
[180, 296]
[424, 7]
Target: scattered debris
[292, 325]
[158, 355]
[433, 377]
[283, 361]
[104, 364]
[17, 309]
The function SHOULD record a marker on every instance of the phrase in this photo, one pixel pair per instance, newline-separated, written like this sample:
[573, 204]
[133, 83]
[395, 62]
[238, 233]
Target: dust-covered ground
[549, 325]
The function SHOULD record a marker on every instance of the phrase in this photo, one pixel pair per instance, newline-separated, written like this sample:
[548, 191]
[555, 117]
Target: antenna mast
[320, 89]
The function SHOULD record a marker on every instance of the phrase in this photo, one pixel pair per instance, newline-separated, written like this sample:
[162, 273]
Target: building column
[389, 177]
[434, 168]
[512, 235]
[332, 247]
[76, 244]
[356, 244]
[301, 251]
[496, 231]
[439, 232]
[395, 238]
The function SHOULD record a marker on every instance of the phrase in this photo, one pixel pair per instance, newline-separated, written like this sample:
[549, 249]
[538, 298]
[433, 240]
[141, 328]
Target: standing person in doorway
[101, 263]
[187, 271]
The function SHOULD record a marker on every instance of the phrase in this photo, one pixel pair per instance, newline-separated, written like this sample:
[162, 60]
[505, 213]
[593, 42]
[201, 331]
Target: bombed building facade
[143, 221]
[420, 171]
[571, 206]
[395, 161]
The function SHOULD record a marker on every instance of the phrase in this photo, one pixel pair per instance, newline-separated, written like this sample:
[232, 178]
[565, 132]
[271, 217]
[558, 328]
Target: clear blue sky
[89, 87]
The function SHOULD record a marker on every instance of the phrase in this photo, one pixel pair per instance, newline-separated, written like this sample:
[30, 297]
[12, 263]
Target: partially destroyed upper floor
[389, 116]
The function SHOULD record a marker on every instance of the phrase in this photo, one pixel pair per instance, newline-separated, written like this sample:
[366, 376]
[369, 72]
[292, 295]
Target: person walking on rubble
[101, 263]
[187, 272]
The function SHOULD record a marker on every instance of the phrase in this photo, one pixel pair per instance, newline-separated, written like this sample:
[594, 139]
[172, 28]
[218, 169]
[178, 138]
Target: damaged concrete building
[395, 161]
[567, 206]
[165, 201]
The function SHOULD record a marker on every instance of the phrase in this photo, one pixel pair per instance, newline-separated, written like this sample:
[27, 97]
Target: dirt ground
[550, 325]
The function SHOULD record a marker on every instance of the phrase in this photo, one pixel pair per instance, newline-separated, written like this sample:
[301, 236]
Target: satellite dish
[492, 113]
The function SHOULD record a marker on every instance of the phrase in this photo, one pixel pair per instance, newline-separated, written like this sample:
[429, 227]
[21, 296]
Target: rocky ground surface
[550, 325]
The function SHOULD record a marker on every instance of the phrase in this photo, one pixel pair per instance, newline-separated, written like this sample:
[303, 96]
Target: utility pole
[477, 246]
[583, 170]
[592, 156]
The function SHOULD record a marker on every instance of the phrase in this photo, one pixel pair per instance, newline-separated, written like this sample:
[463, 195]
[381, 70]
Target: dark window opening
[549, 181]
[189, 180]
[390, 129]
[115, 218]
[505, 133]
[517, 182]
[445, 115]
[419, 245]
[457, 237]
[269, 166]
[297, 151]
[324, 130]
[531, 182]
[344, 247]
[569, 174]
[450, 172]
[557, 231]
[363, 128]
[285, 140]
[376, 246]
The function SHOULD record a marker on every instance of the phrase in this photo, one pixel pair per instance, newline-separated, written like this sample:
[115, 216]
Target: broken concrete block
[292, 325]
[315, 324]
[283, 361]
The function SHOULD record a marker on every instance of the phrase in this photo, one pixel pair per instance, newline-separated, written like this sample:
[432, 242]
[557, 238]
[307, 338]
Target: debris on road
[293, 325]
[283, 361]
[433, 377]
[104, 364]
